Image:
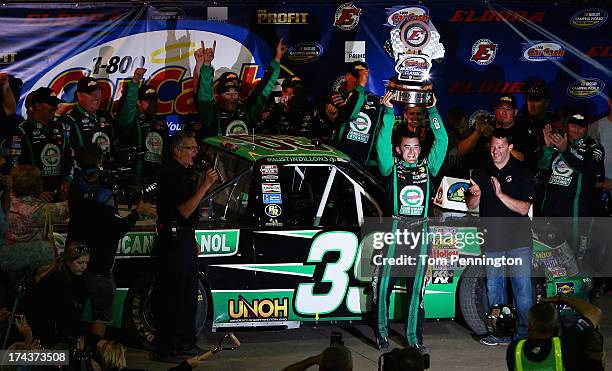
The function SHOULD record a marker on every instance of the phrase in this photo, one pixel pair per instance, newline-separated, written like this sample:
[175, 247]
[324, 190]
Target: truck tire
[138, 317]
[473, 298]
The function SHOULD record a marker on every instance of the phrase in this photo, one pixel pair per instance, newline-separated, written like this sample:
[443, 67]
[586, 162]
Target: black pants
[174, 295]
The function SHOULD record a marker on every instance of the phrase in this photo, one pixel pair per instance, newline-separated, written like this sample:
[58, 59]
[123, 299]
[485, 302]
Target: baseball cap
[578, 118]
[147, 93]
[291, 82]
[354, 67]
[506, 99]
[87, 85]
[537, 92]
[45, 95]
[228, 76]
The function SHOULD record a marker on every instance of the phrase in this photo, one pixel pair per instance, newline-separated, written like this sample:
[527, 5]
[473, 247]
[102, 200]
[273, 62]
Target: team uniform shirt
[87, 128]
[145, 132]
[516, 181]
[43, 146]
[576, 343]
[601, 131]
[176, 185]
[298, 123]
[571, 187]
[217, 121]
[356, 136]
[409, 185]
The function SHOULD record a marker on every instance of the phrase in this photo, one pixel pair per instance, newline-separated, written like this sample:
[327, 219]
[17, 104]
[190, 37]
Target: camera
[408, 358]
[200, 164]
[335, 340]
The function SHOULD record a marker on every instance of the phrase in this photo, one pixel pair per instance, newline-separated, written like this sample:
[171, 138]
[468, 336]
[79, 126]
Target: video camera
[408, 358]
[119, 175]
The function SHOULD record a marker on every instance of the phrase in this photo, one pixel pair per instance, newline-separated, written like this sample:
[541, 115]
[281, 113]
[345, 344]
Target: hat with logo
[506, 99]
[537, 92]
[87, 85]
[578, 118]
[45, 95]
[227, 86]
[147, 93]
[229, 77]
[292, 82]
[354, 67]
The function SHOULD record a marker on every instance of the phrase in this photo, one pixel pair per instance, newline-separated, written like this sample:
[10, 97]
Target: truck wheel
[138, 317]
[473, 298]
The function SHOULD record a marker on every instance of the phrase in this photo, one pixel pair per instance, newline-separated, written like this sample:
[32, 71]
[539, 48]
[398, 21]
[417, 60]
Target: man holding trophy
[412, 44]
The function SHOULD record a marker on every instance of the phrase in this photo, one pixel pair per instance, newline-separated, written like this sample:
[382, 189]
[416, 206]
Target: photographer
[176, 281]
[95, 220]
[579, 347]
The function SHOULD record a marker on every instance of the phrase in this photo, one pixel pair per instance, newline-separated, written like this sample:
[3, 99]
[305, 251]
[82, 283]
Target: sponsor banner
[110, 41]
[258, 310]
[585, 88]
[223, 242]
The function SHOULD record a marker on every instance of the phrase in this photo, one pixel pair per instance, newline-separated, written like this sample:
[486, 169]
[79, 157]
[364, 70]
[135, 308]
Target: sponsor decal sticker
[397, 15]
[304, 52]
[483, 52]
[223, 242]
[269, 169]
[561, 173]
[456, 192]
[541, 51]
[415, 34]
[258, 310]
[413, 67]
[50, 155]
[269, 177]
[102, 140]
[236, 127]
[273, 210]
[270, 188]
[585, 88]
[354, 51]
[347, 16]
[589, 18]
[566, 288]
[265, 17]
[442, 276]
[338, 83]
[411, 198]
[272, 198]
[360, 128]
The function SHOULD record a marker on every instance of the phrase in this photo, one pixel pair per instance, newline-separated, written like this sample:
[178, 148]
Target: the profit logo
[483, 52]
[7, 57]
[411, 196]
[265, 17]
[260, 310]
[347, 16]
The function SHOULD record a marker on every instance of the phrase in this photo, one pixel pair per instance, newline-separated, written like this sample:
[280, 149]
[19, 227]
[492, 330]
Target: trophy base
[410, 95]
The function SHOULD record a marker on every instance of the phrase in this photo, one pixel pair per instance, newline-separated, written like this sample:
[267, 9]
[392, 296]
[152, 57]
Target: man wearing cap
[42, 142]
[227, 115]
[576, 164]
[139, 126]
[475, 145]
[291, 115]
[533, 120]
[89, 123]
[357, 115]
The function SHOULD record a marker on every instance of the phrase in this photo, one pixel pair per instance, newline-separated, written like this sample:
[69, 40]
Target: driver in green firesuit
[408, 177]
[225, 114]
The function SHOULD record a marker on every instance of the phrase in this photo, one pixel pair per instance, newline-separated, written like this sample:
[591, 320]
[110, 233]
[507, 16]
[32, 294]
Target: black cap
[147, 92]
[291, 82]
[15, 83]
[537, 92]
[45, 95]
[227, 77]
[87, 85]
[506, 99]
[354, 67]
[578, 118]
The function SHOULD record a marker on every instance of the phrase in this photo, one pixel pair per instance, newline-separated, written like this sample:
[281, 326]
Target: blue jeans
[521, 283]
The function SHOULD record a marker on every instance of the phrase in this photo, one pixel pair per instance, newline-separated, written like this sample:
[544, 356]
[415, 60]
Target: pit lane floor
[451, 347]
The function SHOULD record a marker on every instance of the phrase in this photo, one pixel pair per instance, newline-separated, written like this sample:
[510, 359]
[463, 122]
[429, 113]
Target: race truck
[281, 246]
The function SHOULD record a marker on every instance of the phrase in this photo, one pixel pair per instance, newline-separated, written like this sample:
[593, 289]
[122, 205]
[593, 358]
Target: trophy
[414, 43]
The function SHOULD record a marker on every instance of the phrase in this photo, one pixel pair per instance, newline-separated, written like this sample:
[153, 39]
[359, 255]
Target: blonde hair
[70, 254]
[113, 355]
[27, 181]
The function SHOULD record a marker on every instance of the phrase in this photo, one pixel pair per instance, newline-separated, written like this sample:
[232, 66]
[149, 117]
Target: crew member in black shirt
[176, 282]
[503, 189]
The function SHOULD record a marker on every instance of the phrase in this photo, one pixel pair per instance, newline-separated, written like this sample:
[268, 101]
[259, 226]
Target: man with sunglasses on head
[180, 191]
[95, 220]
[225, 114]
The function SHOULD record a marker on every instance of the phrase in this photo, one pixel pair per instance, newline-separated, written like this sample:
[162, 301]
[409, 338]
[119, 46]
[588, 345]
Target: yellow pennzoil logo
[265, 309]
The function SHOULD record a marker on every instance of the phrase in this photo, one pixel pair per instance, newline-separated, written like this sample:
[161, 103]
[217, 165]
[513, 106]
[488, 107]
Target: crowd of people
[557, 163]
